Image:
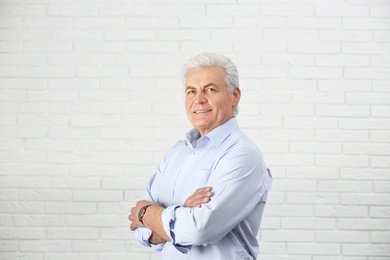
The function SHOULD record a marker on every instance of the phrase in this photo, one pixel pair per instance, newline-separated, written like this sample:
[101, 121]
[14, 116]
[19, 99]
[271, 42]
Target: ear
[236, 96]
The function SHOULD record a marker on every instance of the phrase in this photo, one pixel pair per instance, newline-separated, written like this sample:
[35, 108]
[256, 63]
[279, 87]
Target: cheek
[187, 106]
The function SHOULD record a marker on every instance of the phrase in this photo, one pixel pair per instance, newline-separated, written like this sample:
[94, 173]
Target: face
[208, 102]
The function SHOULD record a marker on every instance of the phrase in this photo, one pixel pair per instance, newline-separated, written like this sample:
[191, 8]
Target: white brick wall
[90, 100]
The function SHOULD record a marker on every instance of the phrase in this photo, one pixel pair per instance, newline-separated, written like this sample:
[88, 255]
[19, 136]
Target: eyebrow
[206, 86]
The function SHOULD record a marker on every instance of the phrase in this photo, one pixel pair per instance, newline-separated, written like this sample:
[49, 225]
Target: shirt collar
[217, 135]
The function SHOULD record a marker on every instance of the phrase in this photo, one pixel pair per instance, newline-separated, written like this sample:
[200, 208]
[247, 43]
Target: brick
[366, 249]
[237, 10]
[71, 208]
[72, 233]
[179, 9]
[345, 36]
[97, 246]
[72, 34]
[344, 85]
[364, 173]
[317, 199]
[366, 48]
[364, 123]
[307, 122]
[289, 235]
[380, 237]
[72, 10]
[22, 233]
[342, 60]
[345, 186]
[342, 160]
[96, 170]
[287, 134]
[318, 97]
[39, 220]
[22, 208]
[94, 120]
[76, 182]
[125, 10]
[289, 210]
[70, 157]
[102, 95]
[241, 33]
[69, 59]
[312, 173]
[73, 133]
[364, 198]
[314, 148]
[13, 9]
[45, 195]
[10, 22]
[45, 245]
[101, 195]
[340, 135]
[287, 10]
[342, 10]
[343, 211]
[71, 255]
[306, 223]
[183, 34]
[381, 187]
[380, 161]
[24, 182]
[316, 22]
[8, 195]
[44, 46]
[365, 148]
[286, 58]
[98, 22]
[260, 47]
[381, 36]
[342, 236]
[314, 249]
[367, 23]
[380, 136]
[283, 34]
[91, 221]
[115, 35]
[342, 110]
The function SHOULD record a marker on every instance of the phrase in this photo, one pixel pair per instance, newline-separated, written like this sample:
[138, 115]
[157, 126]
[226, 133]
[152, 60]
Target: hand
[133, 217]
[135, 223]
[200, 196]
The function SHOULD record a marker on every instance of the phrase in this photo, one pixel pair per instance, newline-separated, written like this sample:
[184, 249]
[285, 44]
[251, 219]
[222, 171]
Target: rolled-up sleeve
[142, 235]
[169, 219]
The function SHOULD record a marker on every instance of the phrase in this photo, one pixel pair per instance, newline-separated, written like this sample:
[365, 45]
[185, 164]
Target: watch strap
[142, 212]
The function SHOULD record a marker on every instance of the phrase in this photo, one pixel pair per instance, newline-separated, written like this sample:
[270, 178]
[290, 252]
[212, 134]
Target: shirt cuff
[168, 219]
[142, 235]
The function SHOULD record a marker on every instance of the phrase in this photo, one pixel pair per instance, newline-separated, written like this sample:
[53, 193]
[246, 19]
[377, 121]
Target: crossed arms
[152, 218]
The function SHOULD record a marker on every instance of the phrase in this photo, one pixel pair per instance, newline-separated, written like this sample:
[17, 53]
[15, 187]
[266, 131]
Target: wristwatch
[141, 213]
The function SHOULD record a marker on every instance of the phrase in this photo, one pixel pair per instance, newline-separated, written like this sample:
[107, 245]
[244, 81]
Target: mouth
[202, 111]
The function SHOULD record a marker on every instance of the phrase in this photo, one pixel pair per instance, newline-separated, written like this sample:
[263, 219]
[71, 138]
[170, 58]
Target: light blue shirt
[226, 227]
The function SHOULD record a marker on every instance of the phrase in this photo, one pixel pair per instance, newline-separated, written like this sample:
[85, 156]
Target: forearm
[153, 220]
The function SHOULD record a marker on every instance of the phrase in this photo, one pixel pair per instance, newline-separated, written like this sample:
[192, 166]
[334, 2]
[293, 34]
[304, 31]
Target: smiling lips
[202, 111]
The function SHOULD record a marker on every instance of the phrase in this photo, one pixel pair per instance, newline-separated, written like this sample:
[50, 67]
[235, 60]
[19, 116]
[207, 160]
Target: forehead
[205, 75]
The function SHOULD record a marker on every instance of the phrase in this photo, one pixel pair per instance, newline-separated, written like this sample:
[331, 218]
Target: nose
[200, 98]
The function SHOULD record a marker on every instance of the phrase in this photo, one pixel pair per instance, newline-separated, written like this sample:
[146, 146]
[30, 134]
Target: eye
[190, 91]
[210, 90]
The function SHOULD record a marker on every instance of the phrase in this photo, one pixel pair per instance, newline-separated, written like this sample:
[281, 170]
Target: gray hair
[209, 60]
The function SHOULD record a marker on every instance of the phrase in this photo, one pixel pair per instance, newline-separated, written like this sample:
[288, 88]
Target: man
[207, 197]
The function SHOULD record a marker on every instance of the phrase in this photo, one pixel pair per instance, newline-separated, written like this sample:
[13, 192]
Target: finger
[207, 188]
